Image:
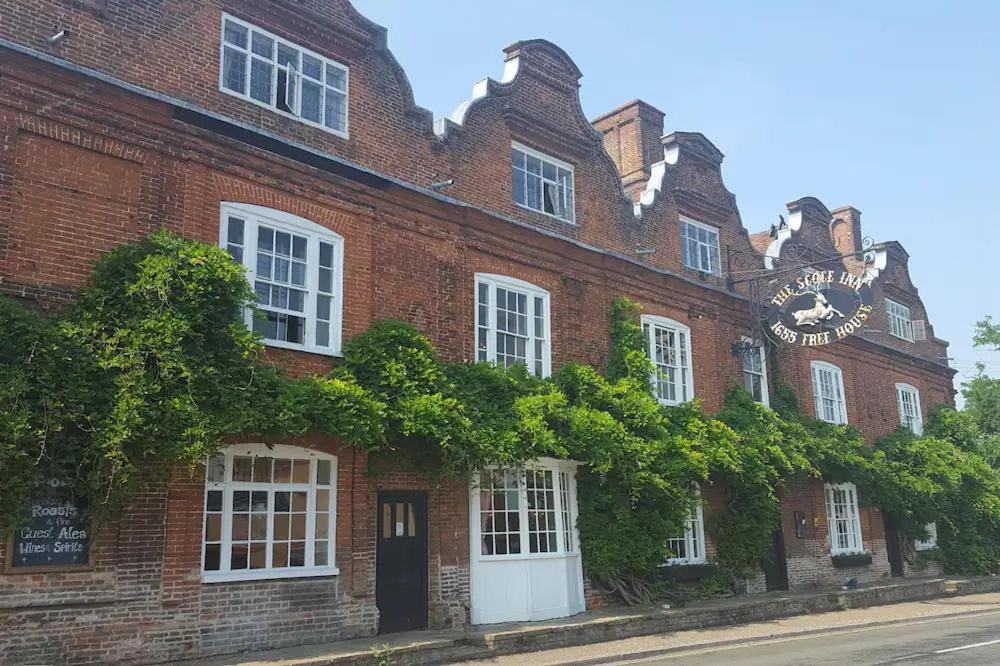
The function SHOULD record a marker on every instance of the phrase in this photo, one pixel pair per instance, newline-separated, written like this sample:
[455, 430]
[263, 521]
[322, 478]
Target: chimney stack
[845, 230]
[632, 134]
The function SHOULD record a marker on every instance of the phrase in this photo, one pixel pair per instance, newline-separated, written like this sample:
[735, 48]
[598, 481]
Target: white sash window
[669, 346]
[512, 323]
[296, 269]
[908, 399]
[828, 390]
[690, 548]
[843, 518]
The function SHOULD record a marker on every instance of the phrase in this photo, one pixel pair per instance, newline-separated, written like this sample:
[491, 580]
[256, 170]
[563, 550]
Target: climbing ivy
[153, 367]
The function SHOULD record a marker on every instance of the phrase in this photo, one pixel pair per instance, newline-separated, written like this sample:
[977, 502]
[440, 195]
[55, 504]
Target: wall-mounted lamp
[437, 187]
[644, 251]
[58, 37]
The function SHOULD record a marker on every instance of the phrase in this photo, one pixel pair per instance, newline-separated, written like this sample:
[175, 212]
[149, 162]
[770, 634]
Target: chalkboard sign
[56, 536]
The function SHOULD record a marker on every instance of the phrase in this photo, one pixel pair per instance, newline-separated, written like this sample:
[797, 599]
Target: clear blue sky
[892, 107]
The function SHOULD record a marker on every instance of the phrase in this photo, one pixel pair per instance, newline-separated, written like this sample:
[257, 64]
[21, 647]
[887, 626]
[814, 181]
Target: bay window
[527, 512]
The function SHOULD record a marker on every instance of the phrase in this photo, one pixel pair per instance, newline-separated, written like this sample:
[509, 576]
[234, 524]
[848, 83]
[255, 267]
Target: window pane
[312, 100]
[336, 77]
[234, 230]
[336, 111]
[235, 34]
[312, 67]
[234, 75]
[261, 74]
[263, 45]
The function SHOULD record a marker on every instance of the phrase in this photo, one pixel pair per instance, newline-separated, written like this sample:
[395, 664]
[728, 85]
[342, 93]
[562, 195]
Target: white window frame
[765, 398]
[531, 292]
[912, 422]
[899, 319]
[852, 521]
[250, 56]
[682, 333]
[559, 164]
[694, 534]
[817, 367]
[253, 216]
[228, 486]
[931, 542]
[714, 249]
[567, 536]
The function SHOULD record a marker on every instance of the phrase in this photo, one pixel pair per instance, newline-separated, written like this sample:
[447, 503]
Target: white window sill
[553, 216]
[286, 114]
[530, 556]
[835, 553]
[683, 563]
[267, 574]
[322, 351]
[901, 337]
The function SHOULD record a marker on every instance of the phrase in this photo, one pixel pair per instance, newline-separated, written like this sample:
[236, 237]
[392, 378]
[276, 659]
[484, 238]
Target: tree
[987, 334]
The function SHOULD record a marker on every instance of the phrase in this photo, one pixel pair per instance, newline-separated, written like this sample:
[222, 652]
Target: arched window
[270, 512]
[669, 345]
[296, 269]
[828, 391]
[512, 323]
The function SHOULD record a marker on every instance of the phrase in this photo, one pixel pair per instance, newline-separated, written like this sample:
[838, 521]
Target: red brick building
[287, 132]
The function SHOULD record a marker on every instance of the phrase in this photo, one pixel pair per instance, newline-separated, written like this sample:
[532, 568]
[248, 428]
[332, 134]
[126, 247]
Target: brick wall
[85, 166]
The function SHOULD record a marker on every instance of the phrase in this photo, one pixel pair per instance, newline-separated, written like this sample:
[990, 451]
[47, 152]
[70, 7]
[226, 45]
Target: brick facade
[120, 129]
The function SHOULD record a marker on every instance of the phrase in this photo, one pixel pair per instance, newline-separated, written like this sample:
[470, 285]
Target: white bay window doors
[267, 70]
[512, 323]
[269, 512]
[525, 558]
[296, 269]
[843, 518]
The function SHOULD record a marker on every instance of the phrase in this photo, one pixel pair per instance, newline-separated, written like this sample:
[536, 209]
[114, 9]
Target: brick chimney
[846, 229]
[632, 135]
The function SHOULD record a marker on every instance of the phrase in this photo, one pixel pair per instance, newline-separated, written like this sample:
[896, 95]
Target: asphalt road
[969, 640]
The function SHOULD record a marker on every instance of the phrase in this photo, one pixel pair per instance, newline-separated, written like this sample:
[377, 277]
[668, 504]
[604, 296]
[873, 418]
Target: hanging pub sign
[820, 308]
[57, 535]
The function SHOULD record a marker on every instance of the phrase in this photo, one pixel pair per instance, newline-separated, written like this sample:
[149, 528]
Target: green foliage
[154, 367]
[987, 334]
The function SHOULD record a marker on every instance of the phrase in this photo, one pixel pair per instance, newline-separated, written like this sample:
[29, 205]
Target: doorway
[893, 547]
[401, 561]
[775, 567]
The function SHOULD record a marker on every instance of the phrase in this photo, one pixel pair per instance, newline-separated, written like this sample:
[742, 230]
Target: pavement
[616, 634]
[961, 630]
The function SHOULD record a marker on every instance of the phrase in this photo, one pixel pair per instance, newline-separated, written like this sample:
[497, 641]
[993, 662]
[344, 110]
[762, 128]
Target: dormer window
[700, 246]
[542, 183]
[900, 324]
[272, 72]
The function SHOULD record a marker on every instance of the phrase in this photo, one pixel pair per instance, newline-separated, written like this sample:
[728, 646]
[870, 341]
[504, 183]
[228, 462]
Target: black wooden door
[894, 547]
[775, 566]
[401, 561]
